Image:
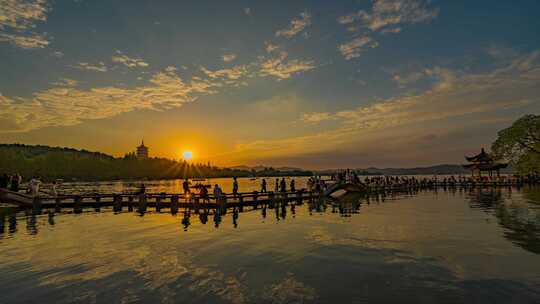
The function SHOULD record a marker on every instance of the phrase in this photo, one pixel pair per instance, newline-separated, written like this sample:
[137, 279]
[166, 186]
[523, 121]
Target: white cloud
[316, 117]
[171, 69]
[281, 68]
[270, 47]
[354, 48]
[66, 82]
[386, 16]
[234, 73]
[66, 104]
[473, 98]
[228, 57]
[442, 75]
[24, 41]
[99, 67]
[297, 25]
[386, 13]
[18, 17]
[128, 61]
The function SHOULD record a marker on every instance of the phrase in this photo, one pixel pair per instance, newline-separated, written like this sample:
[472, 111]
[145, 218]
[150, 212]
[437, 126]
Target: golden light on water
[187, 155]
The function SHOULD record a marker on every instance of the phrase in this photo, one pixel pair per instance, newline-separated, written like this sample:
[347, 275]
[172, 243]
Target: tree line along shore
[519, 145]
[51, 163]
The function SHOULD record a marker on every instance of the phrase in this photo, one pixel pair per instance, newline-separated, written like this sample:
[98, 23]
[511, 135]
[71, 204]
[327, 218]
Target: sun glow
[187, 155]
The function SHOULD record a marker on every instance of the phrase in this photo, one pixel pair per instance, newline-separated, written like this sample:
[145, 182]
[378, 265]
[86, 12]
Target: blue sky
[316, 84]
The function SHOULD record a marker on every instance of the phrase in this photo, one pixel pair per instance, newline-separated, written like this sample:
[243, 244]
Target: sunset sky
[312, 84]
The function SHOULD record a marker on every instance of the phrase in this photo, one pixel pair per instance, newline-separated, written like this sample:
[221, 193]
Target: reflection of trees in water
[521, 219]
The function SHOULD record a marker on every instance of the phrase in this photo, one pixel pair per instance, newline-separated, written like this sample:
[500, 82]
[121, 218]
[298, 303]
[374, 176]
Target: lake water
[480, 246]
[171, 186]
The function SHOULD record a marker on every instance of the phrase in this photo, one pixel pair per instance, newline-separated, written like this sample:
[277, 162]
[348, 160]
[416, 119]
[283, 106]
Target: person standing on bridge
[293, 188]
[263, 185]
[15, 182]
[54, 190]
[185, 186]
[283, 185]
[142, 189]
[235, 186]
[34, 186]
[217, 192]
[4, 180]
[276, 185]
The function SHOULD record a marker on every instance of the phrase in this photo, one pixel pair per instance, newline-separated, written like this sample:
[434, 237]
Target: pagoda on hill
[142, 151]
[483, 162]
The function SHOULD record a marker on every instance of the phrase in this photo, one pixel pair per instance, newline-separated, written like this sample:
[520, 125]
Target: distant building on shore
[142, 151]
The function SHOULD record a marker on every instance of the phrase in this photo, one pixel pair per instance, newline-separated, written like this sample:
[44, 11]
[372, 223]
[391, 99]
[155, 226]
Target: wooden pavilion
[483, 162]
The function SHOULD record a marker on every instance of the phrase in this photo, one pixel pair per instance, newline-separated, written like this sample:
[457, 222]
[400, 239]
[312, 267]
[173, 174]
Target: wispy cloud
[281, 68]
[18, 17]
[66, 82]
[392, 13]
[58, 54]
[26, 41]
[386, 16]
[355, 47]
[66, 104]
[436, 73]
[233, 73]
[473, 97]
[228, 57]
[128, 61]
[99, 67]
[297, 25]
[270, 47]
[316, 117]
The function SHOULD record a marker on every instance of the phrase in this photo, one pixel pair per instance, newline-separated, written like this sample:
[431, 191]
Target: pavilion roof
[481, 157]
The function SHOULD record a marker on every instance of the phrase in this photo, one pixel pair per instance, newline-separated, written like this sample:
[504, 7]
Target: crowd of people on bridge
[313, 184]
[13, 183]
[349, 176]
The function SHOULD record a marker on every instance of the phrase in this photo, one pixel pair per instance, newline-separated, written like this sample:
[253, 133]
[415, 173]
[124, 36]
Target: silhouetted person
[276, 185]
[217, 191]
[4, 181]
[283, 185]
[293, 188]
[235, 186]
[142, 189]
[15, 182]
[185, 185]
[204, 194]
[263, 185]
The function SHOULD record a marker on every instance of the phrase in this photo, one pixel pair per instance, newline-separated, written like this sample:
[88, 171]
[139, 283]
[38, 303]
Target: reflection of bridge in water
[520, 220]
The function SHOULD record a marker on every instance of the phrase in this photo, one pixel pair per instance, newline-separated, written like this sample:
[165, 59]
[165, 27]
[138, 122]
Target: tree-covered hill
[70, 164]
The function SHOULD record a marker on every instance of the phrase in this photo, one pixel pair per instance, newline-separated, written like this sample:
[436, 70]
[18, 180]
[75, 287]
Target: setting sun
[187, 155]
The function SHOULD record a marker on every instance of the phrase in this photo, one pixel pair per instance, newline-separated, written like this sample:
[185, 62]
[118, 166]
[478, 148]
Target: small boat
[340, 188]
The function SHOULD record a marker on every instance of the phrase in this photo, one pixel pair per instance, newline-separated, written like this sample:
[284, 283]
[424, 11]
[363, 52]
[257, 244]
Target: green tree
[520, 144]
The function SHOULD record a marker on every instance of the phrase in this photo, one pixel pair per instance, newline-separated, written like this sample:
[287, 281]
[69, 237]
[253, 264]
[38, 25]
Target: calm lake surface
[480, 246]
